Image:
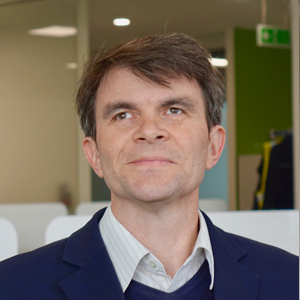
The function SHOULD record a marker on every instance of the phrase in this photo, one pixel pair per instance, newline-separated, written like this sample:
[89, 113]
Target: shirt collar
[125, 251]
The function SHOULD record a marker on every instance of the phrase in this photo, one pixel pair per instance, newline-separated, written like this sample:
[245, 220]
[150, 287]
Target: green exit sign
[270, 36]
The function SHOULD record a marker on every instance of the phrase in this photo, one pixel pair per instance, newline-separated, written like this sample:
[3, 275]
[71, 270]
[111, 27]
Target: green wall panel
[263, 91]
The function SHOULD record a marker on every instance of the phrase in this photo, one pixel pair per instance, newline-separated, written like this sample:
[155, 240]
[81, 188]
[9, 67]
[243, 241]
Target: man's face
[152, 141]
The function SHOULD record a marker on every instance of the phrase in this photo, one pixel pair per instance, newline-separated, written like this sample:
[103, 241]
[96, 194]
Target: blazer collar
[232, 279]
[96, 278]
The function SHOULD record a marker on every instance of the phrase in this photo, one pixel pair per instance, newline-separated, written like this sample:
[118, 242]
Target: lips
[152, 161]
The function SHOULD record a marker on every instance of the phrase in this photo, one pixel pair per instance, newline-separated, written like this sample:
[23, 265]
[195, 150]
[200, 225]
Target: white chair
[31, 220]
[279, 228]
[213, 205]
[89, 208]
[64, 226]
[8, 239]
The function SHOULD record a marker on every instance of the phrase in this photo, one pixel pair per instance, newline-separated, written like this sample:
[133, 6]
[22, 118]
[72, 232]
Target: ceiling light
[219, 62]
[121, 22]
[72, 66]
[54, 31]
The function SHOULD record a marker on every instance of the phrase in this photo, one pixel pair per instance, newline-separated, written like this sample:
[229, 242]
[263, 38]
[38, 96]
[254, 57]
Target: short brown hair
[158, 58]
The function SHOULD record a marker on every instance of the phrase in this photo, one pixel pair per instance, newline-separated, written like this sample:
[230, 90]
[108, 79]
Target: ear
[216, 145]
[92, 155]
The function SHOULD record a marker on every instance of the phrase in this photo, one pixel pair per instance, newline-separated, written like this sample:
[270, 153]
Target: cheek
[198, 149]
[110, 146]
[105, 148]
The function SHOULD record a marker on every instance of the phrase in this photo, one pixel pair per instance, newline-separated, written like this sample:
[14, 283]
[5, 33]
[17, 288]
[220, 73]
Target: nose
[151, 130]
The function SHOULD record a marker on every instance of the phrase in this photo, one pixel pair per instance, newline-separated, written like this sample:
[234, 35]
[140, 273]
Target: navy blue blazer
[79, 268]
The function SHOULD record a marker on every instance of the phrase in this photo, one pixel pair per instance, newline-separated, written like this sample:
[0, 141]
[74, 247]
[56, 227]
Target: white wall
[37, 115]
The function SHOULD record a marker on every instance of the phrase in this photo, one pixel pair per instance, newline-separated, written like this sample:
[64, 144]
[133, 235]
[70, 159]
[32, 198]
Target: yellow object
[260, 194]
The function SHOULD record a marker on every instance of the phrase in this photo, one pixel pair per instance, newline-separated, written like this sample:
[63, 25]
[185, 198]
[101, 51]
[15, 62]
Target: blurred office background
[41, 156]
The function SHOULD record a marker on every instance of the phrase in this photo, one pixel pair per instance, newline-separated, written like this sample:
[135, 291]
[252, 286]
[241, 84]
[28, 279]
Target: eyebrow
[183, 102]
[111, 108]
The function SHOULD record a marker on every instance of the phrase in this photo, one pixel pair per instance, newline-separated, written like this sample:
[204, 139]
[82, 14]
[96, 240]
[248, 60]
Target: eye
[123, 116]
[174, 111]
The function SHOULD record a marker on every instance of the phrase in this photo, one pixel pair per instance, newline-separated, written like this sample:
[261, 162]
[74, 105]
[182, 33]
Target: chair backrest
[89, 208]
[64, 226]
[31, 220]
[213, 205]
[279, 228]
[8, 239]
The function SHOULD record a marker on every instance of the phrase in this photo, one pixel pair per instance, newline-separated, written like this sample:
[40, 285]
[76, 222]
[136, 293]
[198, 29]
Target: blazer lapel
[232, 279]
[96, 278]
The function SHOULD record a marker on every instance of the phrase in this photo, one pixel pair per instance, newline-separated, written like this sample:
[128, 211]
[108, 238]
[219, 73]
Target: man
[151, 113]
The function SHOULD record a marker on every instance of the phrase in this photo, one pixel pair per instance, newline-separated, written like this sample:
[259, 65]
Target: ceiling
[206, 20]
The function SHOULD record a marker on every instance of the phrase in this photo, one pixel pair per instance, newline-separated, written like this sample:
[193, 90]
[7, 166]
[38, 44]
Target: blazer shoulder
[262, 250]
[50, 251]
[271, 263]
[35, 273]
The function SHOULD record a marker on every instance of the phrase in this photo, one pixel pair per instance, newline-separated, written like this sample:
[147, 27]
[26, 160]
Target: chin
[155, 193]
[150, 188]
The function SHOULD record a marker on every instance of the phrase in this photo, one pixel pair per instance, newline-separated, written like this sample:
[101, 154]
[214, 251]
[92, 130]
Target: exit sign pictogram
[271, 36]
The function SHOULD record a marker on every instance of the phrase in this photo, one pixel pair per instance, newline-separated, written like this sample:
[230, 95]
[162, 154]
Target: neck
[168, 229]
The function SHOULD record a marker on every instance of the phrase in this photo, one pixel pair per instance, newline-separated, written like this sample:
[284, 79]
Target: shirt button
[152, 264]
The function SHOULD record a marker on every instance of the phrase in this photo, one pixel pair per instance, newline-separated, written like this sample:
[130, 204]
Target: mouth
[152, 161]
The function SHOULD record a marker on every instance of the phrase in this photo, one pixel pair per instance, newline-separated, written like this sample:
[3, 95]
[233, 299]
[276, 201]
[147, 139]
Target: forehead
[122, 84]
